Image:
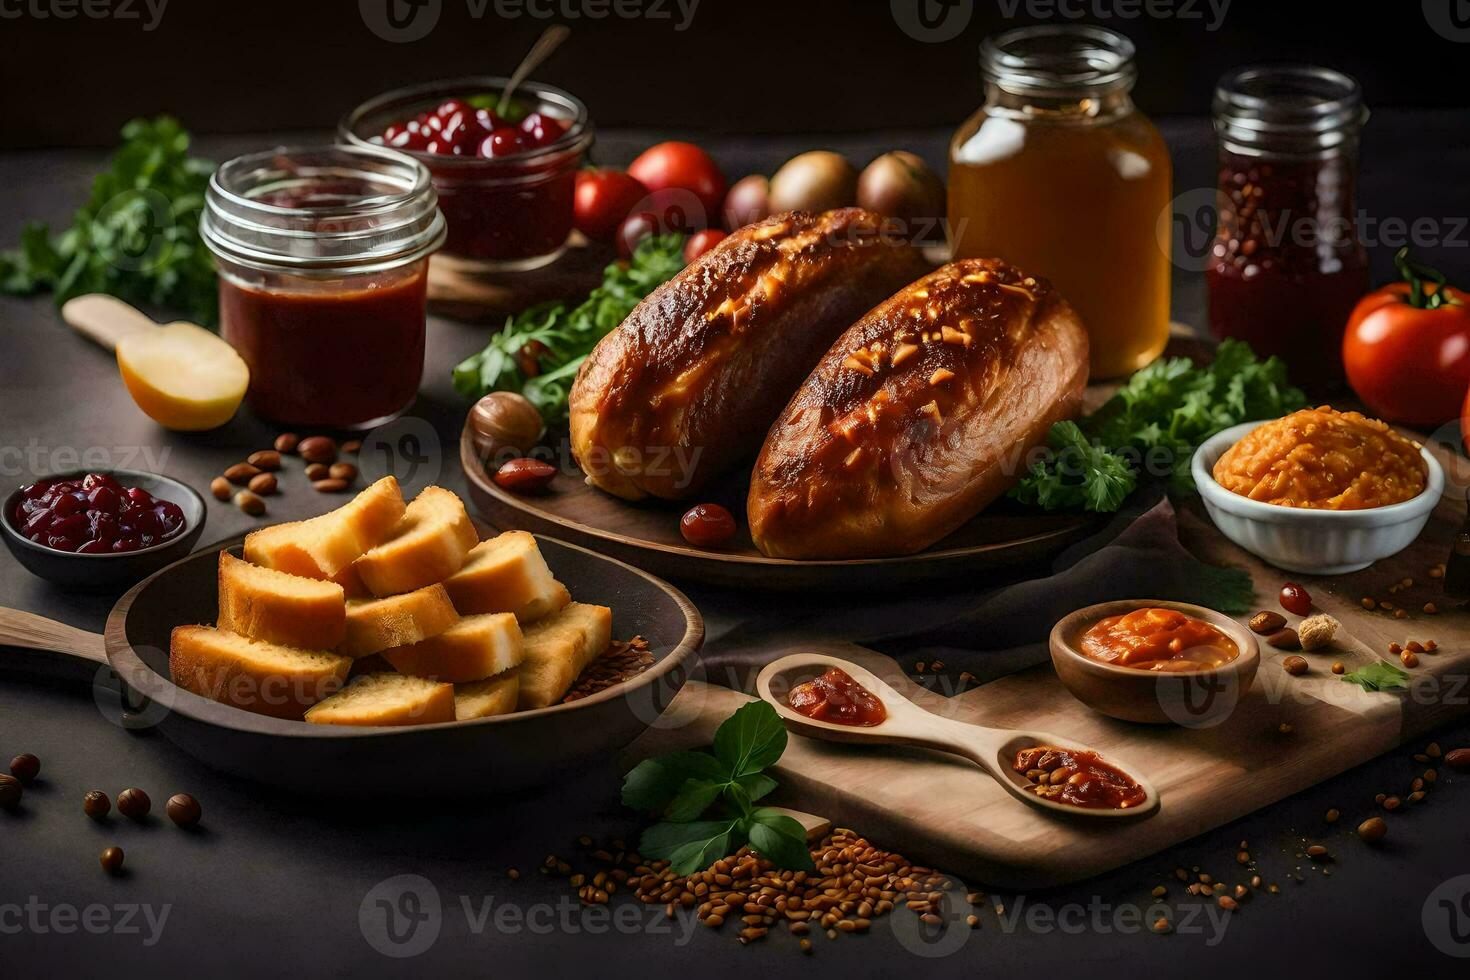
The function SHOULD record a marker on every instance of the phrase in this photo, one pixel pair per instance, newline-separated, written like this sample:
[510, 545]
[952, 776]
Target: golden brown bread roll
[921, 414]
[691, 380]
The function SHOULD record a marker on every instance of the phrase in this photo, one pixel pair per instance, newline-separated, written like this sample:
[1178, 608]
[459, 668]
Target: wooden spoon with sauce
[905, 723]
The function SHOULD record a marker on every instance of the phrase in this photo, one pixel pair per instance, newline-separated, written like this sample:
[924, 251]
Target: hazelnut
[504, 421]
[1267, 622]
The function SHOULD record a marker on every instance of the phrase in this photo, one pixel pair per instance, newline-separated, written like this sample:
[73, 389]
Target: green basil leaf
[653, 783]
[751, 739]
[690, 847]
[693, 798]
[1380, 676]
[757, 785]
[781, 839]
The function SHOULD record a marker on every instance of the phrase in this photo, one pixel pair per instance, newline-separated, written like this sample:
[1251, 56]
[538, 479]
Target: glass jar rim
[577, 137]
[395, 221]
[1292, 108]
[1059, 60]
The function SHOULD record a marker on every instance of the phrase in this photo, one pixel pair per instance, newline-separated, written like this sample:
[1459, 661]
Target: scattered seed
[112, 860]
[1332, 816]
[1373, 829]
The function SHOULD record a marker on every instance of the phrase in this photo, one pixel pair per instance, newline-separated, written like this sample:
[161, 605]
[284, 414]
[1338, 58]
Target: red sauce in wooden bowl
[835, 697]
[1158, 639]
[1079, 778]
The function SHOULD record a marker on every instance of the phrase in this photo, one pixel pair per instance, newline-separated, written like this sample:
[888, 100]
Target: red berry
[707, 525]
[1295, 599]
[502, 142]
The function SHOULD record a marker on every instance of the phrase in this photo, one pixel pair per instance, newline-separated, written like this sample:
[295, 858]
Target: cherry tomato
[686, 167]
[1295, 599]
[701, 242]
[501, 143]
[707, 525]
[603, 200]
[1407, 347]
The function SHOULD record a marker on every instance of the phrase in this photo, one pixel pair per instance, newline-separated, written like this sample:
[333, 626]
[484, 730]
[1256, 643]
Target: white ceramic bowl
[1298, 539]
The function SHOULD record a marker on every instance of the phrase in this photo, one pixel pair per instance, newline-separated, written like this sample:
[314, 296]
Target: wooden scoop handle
[23, 629]
[104, 320]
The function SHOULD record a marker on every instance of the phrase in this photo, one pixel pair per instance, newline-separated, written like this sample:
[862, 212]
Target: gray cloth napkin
[984, 628]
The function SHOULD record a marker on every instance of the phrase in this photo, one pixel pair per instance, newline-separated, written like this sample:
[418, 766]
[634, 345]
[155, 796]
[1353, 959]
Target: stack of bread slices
[381, 613]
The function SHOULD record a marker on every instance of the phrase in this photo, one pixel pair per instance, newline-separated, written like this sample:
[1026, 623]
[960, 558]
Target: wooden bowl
[1197, 699]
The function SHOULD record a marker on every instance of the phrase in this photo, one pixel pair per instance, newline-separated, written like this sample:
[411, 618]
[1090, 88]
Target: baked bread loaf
[492, 696]
[265, 604]
[428, 545]
[374, 625]
[386, 699]
[690, 381]
[558, 648]
[507, 573]
[258, 676]
[323, 546]
[921, 414]
[472, 649]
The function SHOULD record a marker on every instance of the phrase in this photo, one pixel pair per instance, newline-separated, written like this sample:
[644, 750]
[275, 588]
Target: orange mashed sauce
[1323, 459]
[1152, 638]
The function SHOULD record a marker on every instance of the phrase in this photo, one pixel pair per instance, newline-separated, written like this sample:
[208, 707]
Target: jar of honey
[1287, 264]
[1060, 174]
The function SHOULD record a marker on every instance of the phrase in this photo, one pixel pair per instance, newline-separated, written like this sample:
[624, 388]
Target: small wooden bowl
[1196, 699]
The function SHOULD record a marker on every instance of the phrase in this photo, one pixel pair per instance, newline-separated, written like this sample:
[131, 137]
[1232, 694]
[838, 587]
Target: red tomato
[686, 167]
[1407, 348]
[701, 242]
[603, 200]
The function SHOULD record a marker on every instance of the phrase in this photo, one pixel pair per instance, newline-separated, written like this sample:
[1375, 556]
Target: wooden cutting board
[946, 812]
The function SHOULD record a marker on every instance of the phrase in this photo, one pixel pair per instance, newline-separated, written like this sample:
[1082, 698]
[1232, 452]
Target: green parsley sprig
[1379, 676]
[552, 339]
[727, 781]
[137, 237]
[1159, 418]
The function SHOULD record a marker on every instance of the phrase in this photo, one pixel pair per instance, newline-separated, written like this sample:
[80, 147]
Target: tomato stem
[1416, 274]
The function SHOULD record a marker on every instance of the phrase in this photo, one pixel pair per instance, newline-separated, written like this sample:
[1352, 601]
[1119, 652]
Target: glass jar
[323, 259]
[1061, 175]
[1287, 266]
[505, 214]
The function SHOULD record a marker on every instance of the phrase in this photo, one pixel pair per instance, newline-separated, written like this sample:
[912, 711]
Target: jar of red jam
[1287, 264]
[323, 257]
[506, 173]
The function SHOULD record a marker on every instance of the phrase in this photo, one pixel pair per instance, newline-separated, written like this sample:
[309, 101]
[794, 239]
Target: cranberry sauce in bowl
[94, 514]
[505, 175]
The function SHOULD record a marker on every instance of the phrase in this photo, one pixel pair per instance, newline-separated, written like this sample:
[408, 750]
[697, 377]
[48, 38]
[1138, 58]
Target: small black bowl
[100, 572]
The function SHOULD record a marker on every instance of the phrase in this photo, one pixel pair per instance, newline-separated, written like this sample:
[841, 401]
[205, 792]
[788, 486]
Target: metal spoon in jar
[548, 42]
[993, 749]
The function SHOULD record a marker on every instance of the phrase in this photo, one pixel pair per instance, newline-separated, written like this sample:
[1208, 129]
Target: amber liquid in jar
[1069, 185]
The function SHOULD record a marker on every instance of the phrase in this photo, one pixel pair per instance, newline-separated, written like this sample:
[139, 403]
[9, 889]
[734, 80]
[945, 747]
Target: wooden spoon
[993, 749]
[548, 42]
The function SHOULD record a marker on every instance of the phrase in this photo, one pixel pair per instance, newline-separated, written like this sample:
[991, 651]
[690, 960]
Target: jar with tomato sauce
[323, 257]
[508, 201]
[1287, 264]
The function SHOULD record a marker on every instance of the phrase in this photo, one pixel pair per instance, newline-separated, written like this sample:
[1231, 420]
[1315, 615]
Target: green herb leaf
[781, 839]
[653, 783]
[1079, 474]
[1380, 676]
[693, 798]
[136, 237]
[751, 739]
[757, 785]
[553, 338]
[690, 847]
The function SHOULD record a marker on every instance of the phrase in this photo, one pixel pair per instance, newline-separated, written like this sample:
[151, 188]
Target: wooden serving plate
[1233, 759]
[646, 534]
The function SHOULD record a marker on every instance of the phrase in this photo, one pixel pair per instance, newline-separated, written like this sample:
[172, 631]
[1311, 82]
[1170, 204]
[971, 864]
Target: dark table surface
[275, 883]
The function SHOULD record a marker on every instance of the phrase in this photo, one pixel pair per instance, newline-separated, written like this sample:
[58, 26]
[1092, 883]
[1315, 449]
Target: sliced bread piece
[386, 699]
[256, 675]
[558, 648]
[507, 573]
[472, 649]
[427, 546]
[265, 604]
[492, 696]
[323, 546]
[381, 624]
[353, 587]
